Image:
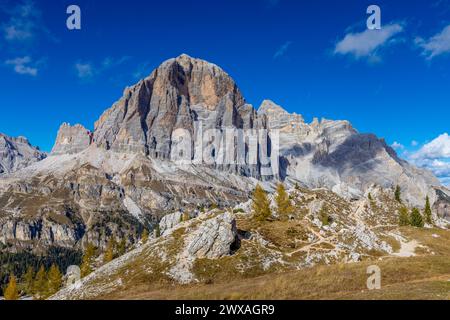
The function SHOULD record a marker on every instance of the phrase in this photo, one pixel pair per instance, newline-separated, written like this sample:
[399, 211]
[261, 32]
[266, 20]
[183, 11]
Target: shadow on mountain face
[359, 153]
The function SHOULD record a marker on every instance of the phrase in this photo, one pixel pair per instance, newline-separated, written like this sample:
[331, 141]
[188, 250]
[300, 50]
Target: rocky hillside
[119, 179]
[17, 153]
[219, 246]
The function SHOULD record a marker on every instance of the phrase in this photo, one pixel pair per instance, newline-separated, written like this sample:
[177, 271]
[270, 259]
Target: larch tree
[144, 236]
[40, 283]
[284, 206]
[261, 204]
[110, 250]
[28, 280]
[11, 292]
[122, 247]
[54, 280]
[88, 260]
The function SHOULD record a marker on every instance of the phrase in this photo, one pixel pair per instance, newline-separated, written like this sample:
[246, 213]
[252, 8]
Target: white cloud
[25, 21]
[437, 45]
[110, 62]
[282, 50]
[397, 146]
[368, 42]
[436, 149]
[88, 70]
[84, 70]
[435, 156]
[414, 143]
[23, 66]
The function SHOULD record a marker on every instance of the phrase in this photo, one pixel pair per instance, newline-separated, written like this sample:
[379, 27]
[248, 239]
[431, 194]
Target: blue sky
[316, 58]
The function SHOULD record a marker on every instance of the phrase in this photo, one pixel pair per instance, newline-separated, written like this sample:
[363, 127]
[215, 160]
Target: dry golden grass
[425, 276]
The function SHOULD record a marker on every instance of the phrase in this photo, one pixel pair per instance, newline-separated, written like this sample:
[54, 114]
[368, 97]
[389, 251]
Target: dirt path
[407, 249]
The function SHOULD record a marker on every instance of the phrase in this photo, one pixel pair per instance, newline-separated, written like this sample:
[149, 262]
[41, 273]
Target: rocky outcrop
[169, 221]
[42, 230]
[442, 205]
[17, 153]
[72, 139]
[214, 238]
[210, 236]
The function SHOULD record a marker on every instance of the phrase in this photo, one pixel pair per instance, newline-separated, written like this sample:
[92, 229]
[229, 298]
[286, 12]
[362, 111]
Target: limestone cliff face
[17, 153]
[334, 155]
[176, 94]
[72, 139]
[183, 93]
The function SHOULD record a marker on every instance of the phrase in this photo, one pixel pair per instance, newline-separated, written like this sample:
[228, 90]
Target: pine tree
[416, 218]
[284, 206]
[144, 236]
[40, 284]
[11, 292]
[54, 280]
[261, 204]
[398, 194]
[369, 196]
[88, 260]
[110, 251]
[28, 280]
[427, 212]
[403, 219]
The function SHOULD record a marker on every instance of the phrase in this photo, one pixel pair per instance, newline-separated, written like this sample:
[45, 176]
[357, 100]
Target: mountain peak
[17, 153]
[270, 107]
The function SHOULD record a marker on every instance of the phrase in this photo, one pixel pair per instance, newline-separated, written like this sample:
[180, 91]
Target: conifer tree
[144, 236]
[284, 206]
[185, 217]
[416, 218]
[261, 204]
[403, 219]
[324, 217]
[11, 292]
[157, 231]
[28, 280]
[427, 212]
[110, 251]
[40, 283]
[54, 280]
[88, 260]
[122, 247]
[398, 194]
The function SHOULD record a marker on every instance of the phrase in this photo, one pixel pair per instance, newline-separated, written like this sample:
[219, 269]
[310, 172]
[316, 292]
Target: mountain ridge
[122, 171]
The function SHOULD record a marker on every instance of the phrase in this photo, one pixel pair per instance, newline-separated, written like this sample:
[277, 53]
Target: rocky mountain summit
[17, 153]
[119, 179]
